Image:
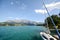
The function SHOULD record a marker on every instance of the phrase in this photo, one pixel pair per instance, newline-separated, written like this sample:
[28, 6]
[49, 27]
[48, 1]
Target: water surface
[21, 32]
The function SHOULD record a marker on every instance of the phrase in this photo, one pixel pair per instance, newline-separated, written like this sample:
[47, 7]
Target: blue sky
[27, 9]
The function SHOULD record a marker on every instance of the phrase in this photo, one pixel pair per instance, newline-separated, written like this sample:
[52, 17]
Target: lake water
[21, 32]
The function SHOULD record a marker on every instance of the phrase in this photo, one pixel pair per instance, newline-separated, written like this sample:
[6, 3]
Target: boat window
[51, 39]
[45, 37]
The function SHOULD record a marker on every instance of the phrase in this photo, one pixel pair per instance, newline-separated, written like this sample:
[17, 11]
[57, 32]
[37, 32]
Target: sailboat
[45, 35]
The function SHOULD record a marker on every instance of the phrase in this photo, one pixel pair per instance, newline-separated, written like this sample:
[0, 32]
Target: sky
[33, 10]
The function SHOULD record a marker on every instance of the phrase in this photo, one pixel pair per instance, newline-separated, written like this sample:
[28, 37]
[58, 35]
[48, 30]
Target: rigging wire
[51, 20]
[46, 22]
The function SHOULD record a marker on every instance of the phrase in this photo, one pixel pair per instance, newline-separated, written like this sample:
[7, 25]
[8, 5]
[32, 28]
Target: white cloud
[53, 6]
[50, 7]
[9, 17]
[17, 18]
[40, 11]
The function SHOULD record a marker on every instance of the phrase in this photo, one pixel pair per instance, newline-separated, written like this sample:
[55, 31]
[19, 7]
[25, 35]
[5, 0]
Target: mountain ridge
[20, 22]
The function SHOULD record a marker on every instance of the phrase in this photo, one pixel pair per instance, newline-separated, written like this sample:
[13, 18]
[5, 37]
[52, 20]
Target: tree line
[56, 19]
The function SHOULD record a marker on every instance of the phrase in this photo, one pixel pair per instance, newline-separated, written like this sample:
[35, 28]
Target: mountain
[20, 22]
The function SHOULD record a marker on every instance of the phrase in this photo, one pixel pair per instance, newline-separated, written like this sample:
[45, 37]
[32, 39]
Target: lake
[21, 32]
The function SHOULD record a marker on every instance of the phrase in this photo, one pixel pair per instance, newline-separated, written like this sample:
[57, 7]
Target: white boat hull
[46, 36]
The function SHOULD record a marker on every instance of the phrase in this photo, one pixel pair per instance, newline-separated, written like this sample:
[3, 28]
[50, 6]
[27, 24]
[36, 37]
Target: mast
[52, 20]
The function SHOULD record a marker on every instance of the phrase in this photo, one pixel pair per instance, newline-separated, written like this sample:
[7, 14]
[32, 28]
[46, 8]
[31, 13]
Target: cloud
[53, 6]
[9, 17]
[50, 7]
[17, 18]
[40, 11]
